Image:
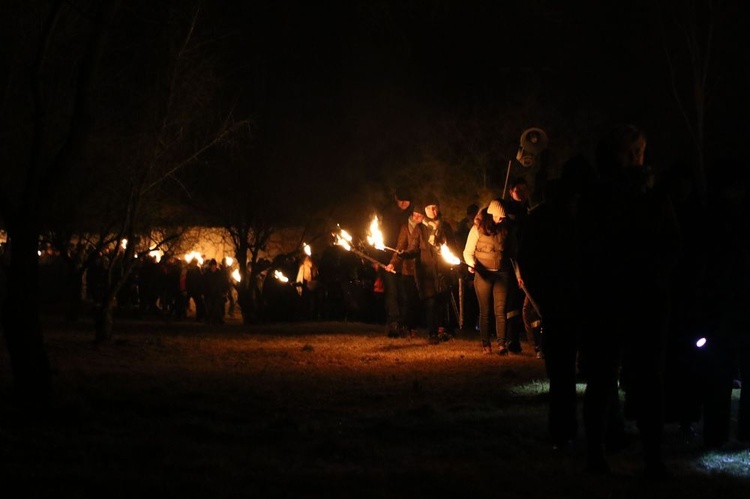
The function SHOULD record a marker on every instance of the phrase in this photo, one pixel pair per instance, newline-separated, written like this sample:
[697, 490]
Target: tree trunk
[74, 296]
[245, 301]
[103, 321]
[21, 324]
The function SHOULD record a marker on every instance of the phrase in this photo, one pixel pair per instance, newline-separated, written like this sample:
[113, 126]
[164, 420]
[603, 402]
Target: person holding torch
[404, 264]
[394, 216]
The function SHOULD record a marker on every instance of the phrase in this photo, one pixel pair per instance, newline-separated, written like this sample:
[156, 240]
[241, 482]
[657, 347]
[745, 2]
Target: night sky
[363, 82]
[368, 92]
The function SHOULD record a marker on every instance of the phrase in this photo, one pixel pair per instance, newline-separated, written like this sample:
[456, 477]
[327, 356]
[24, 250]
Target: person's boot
[486, 347]
[501, 348]
[394, 331]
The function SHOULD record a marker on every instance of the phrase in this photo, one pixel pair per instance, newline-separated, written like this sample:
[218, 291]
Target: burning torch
[449, 257]
[375, 236]
[344, 239]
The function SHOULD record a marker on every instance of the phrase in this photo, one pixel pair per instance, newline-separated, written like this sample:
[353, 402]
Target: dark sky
[366, 66]
[362, 82]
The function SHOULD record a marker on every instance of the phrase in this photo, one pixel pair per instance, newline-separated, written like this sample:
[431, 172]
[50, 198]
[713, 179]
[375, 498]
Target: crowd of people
[613, 277]
[170, 288]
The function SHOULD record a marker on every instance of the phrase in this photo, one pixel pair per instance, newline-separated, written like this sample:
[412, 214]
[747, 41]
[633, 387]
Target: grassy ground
[310, 410]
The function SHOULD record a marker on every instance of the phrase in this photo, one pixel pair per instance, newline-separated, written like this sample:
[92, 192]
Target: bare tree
[123, 124]
[181, 119]
[696, 37]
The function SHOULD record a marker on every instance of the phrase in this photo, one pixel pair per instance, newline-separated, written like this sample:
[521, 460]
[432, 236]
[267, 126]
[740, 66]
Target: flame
[236, 275]
[343, 239]
[307, 249]
[156, 254]
[194, 255]
[375, 236]
[449, 257]
[280, 276]
[228, 261]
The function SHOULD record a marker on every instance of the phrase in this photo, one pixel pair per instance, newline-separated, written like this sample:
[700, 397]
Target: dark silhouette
[214, 292]
[725, 357]
[194, 289]
[394, 216]
[517, 210]
[630, 242]
[467, 298]
[548, 261]
[687, 323]
[405, 265]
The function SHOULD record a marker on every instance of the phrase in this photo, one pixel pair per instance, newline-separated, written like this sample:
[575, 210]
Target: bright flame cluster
[280, 276]
[343, 239]
[194, 255]
[448, 256]
[374, 235]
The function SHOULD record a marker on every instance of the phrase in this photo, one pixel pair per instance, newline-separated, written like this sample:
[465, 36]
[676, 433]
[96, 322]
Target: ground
[183, 409]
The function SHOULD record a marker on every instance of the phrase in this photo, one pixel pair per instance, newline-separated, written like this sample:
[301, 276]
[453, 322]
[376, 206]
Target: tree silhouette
[46, 119]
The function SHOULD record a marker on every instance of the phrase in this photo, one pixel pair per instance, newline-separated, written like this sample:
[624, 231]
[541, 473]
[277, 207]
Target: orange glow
[343, 239]
[280, 276]
[448, 256]
[375, 236]
[194, 255]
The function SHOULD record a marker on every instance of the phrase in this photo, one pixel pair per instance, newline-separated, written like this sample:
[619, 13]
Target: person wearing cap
[434, 276]
[393, 217]
[404, 264]
[490, 246]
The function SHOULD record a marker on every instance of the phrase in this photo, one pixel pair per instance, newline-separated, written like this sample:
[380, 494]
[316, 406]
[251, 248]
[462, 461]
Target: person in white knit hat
[489, 249]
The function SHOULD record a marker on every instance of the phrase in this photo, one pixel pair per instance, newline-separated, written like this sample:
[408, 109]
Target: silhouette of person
[393, 218]
[548, 259]
[629, 245]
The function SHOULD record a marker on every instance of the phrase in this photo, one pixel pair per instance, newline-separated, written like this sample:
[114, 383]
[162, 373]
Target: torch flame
[236, 275]
[343, 239]
[280, 276]
[375, 236]
[307, 249]
[449, 257]
[194, 255]
[156, 254]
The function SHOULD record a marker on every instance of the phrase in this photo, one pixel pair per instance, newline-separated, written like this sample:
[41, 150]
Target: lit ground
[309, 410]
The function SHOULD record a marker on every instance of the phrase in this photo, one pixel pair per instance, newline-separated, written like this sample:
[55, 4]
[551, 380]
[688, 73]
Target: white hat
[496, 209]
